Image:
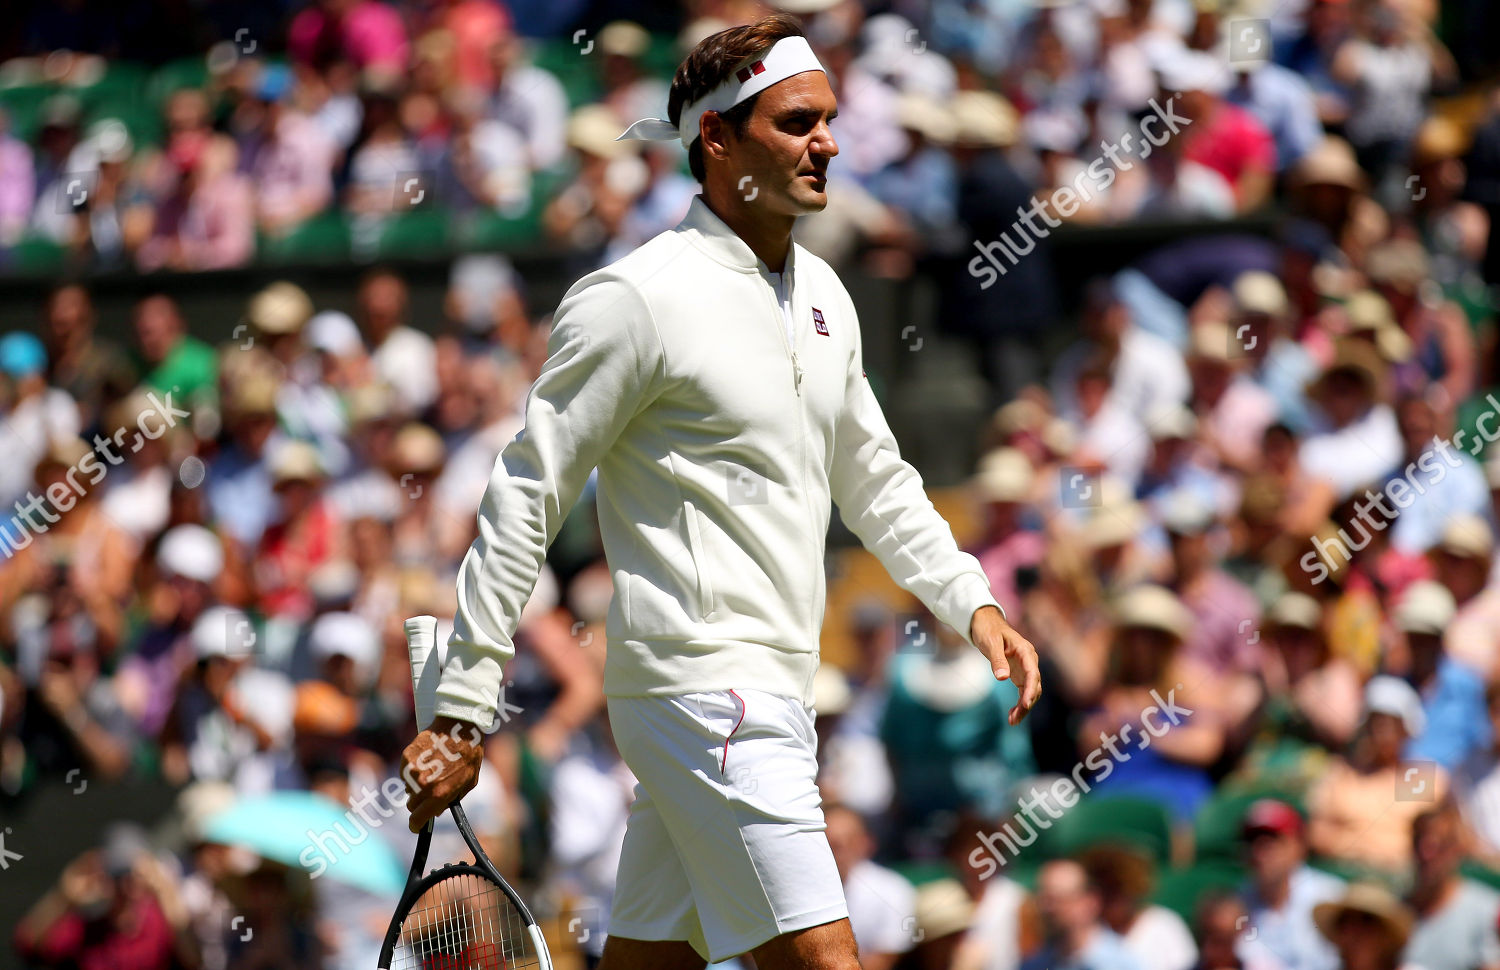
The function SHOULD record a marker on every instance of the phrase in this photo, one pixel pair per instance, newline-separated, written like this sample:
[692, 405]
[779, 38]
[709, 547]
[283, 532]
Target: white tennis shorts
[725, 846]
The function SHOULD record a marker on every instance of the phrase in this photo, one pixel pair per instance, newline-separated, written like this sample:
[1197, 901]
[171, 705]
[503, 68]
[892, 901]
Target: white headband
[787, 57]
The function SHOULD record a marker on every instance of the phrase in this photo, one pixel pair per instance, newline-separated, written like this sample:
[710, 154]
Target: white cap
[222, 631]
[191, 551]
[334, 332]
[345, 635]
[1385, 694]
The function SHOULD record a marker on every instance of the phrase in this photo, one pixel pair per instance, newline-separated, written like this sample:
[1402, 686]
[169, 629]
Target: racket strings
[463, 922]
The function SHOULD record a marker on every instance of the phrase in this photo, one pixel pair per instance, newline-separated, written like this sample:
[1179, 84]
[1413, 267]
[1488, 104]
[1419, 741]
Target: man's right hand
[440, 767]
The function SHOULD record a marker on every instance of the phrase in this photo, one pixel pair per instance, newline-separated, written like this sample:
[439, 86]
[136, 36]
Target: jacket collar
[709, 233]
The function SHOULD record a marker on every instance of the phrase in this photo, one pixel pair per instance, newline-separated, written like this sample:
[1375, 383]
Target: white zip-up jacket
[719, 447]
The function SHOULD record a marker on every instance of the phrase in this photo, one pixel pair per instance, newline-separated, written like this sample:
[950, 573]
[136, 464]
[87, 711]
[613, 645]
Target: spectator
[169, 358]
[1359, 440]
[17, 184]
[1074, 932]
[239, 477]
[110, 910]
[1144, 666]
[1452, 693]
[528, 99]
[403, 357]
[1455, 917]
[34, 414]
[1461, 561]
[1368, 926]
[1154, 935]
[292, 165]
[943, 913]
[1282, 891]
[1359, 811]
[1459, 489]
[1219, 922]
[304, 533]
[1223, 138]
[1222, 608]
[882, 904]
[1475, 787]
[368, 34]
[945, 732]
[1313, 697]
[91, 368]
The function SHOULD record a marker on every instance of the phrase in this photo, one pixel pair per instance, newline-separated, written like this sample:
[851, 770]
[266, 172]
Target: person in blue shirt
[1074, 932]
[1452, 693]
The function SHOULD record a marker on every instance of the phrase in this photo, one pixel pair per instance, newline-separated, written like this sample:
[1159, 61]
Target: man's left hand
[1011, 655]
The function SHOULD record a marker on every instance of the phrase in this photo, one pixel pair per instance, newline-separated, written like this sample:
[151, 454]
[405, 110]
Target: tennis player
[714, 378]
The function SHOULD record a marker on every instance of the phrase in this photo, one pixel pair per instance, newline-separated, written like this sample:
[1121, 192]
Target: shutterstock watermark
[20, 531]
[326, 848]
[1038, 810]
[1433, 465]
[1155, 130]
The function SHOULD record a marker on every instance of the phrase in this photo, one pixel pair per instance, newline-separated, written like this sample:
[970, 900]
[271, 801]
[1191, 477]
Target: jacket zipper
[787, 339]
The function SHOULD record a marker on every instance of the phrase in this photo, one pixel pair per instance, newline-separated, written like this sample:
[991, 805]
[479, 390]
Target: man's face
[787, 145]
[1273, 855]
[1064, 899]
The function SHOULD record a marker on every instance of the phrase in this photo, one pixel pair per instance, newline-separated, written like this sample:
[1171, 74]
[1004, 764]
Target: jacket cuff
[961, 598]
[481, 716]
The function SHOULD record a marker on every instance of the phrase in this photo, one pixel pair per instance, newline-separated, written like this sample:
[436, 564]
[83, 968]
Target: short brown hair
[710, 63]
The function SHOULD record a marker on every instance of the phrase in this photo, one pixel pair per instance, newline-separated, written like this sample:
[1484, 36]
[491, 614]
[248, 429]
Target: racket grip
[421, 649]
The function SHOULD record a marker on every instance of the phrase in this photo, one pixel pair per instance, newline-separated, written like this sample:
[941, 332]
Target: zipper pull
[797, 371]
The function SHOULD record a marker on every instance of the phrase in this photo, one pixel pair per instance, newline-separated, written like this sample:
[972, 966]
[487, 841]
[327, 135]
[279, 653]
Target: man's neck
[1276, 894]
[768, 234]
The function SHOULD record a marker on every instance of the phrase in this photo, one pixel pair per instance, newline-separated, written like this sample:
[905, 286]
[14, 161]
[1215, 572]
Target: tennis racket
[461, 915]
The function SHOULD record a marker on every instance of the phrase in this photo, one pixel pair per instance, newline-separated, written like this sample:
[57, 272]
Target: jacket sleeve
[601, 370]
[881, 499]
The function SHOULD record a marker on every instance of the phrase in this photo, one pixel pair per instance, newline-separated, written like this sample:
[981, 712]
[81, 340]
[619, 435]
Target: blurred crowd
[1247, 514]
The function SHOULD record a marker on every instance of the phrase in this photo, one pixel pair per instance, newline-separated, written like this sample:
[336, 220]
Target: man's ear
[714, 134]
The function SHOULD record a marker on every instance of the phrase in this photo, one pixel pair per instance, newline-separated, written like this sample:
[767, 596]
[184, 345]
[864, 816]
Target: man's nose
[823, 142]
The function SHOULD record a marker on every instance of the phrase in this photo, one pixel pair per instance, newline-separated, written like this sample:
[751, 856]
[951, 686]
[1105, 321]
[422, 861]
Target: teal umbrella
[300, 828]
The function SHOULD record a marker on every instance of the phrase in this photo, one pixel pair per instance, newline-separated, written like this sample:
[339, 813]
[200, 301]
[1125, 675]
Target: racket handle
[421, 649]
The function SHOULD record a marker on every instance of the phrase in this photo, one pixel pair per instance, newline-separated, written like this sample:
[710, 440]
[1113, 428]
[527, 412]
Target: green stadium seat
[1095, 820]
[423, 232]
[322, 239]
[36, 256]
[1480, 873]
[189, 72]
[578, 73]
[1182, 890]
[23, 104]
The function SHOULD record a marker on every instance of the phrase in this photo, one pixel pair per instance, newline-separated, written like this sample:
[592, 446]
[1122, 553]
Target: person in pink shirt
[368, 33]
[1219, 136]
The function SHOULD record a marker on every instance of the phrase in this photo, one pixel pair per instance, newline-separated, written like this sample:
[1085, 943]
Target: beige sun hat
[282, 307]
[1332, 162]
[926, 116]
[1151, 607]
[984, 119]
[1468, 536]
[1296, 611]
[624, 38]
[296, 461]
[1426, 606]
[593, 129]
[943, 908]
[1372, 900]
[417, 448]
[1256, 291]
[1004, 475]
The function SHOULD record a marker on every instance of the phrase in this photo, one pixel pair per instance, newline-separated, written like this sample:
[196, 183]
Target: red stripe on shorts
[724, 762]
